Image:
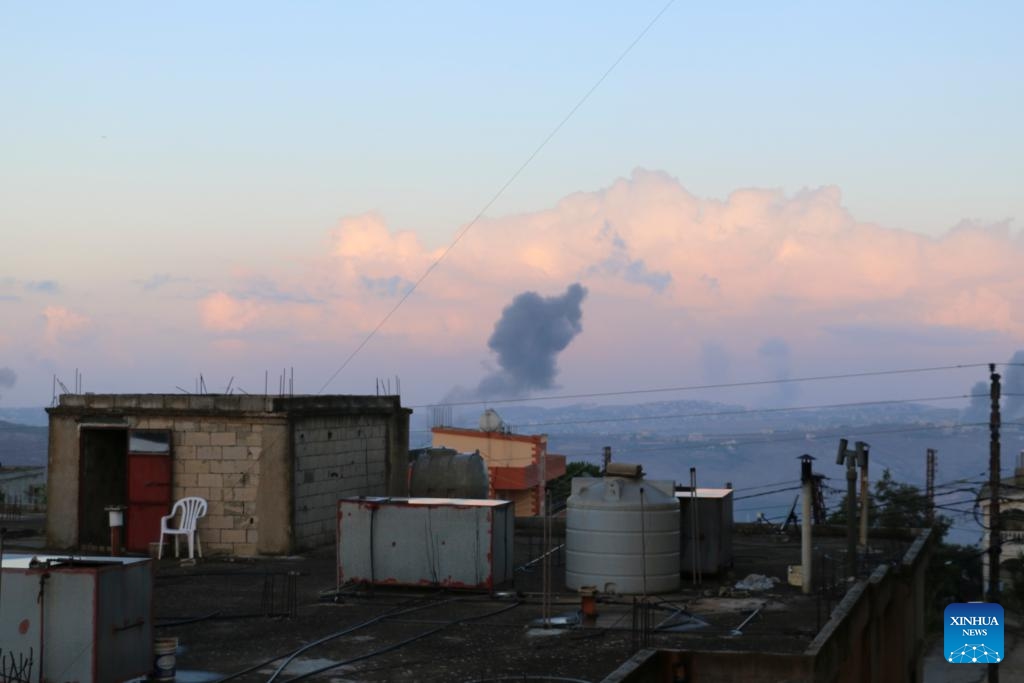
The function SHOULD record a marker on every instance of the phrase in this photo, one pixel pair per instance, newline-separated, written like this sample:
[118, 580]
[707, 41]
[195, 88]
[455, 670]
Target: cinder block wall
[336, 457]
[219, 460]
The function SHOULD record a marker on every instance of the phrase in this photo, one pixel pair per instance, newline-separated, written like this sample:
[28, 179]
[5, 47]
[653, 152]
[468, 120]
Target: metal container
[622, 535]
[85, 619]
[446, 473]
[450, 542]
[713, 545]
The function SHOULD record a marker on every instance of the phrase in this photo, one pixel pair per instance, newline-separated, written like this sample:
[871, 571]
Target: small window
[149, 441]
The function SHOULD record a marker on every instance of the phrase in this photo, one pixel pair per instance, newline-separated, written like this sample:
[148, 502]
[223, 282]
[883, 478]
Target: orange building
[519, 465]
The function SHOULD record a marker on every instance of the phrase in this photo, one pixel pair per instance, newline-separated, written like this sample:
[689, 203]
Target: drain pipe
[806, 479]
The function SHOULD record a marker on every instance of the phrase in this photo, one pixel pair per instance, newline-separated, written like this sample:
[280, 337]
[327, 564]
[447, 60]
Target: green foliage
[895, 505]
[561, 487]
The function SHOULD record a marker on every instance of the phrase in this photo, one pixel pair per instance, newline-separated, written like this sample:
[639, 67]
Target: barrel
[164, 650]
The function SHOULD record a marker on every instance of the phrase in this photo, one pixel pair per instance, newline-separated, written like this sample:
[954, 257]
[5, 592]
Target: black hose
[369, 622]
[392, 648]
[528, 677]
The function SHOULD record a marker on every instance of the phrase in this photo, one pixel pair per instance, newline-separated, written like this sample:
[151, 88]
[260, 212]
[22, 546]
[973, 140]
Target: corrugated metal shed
[714, 522]
[451, 542]
[84, 619]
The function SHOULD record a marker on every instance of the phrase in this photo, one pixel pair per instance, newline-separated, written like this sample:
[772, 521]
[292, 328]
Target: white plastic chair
[192, 508]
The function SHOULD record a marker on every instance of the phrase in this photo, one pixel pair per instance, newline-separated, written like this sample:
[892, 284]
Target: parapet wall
[876, 633]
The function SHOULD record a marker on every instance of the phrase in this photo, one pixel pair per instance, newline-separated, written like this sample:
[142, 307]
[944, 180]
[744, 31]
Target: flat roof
[705, 493]
[23, 561]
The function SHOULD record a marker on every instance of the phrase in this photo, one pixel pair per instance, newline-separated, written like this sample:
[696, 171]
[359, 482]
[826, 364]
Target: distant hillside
[22, 444]
[757, 450]
[35, 417]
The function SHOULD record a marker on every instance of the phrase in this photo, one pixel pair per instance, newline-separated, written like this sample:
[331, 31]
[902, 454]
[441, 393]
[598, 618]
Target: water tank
[446, 473]
[622, 535]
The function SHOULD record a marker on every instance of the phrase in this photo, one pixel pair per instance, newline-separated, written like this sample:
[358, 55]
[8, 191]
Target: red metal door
[149, 486]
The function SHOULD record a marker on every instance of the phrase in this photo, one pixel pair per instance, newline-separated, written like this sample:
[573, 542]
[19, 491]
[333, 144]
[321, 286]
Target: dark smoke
[1013, 387]
[775, 355]
[980, 405]
[528, 337]
[7, 378]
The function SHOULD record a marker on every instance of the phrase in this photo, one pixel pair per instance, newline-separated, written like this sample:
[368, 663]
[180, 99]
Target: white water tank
[622, 535]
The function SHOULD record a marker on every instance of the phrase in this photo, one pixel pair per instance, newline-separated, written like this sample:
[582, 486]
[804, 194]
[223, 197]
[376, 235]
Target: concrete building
[519, 465]
[1011, 516]
[271, 468]
[24, 486]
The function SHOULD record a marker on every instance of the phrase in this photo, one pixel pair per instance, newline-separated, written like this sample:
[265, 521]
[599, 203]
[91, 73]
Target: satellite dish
[490, 421]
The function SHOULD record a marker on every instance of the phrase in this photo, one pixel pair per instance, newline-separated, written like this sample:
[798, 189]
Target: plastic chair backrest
[192, 508]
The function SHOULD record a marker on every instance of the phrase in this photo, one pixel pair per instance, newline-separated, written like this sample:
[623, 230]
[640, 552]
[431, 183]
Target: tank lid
[621, 469]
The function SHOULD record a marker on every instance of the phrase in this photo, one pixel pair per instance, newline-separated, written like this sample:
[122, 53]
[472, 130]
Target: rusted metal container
[446, 473]
[450, 542]
[85, 619]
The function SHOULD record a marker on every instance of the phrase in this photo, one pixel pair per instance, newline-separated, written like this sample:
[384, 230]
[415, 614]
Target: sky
[757, 191]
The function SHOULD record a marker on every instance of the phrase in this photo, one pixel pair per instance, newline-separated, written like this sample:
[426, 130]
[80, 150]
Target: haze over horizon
[751, 194]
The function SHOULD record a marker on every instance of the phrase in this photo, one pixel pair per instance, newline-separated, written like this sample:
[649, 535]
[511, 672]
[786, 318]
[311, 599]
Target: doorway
[103, 481]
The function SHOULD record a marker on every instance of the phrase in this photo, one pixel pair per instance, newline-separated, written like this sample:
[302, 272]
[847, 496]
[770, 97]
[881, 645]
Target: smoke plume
[1013, 387]
[527, 339]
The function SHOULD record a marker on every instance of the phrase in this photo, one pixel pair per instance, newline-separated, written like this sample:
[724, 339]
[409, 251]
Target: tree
[561, 487]
[896, 505]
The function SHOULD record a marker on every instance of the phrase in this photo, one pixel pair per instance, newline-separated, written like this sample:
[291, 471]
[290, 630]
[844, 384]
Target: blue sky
[195, 140]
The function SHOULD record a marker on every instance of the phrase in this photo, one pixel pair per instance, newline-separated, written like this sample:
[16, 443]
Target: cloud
[63, 325]
[619, 263]
[8, 378]
[222, 312]
[43, 286]
[757, 265]
[160, 280]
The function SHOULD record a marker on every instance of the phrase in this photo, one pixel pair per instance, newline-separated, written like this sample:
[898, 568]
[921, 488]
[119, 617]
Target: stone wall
[336, 457]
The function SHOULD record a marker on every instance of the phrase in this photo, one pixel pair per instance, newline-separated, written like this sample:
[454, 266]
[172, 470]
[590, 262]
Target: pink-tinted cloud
[62, 325]
[666, 270]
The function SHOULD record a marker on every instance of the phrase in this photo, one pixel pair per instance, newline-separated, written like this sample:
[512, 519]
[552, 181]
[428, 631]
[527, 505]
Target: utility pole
[807, 481]
[929, 487]
[849, 458]
[607, 456]
[994, 533]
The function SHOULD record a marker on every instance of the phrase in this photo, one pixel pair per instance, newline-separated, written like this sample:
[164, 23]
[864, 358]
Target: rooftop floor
[234, 616]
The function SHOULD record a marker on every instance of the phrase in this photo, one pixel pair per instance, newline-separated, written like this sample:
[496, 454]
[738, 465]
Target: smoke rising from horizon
[1013, 387]
[527, 339]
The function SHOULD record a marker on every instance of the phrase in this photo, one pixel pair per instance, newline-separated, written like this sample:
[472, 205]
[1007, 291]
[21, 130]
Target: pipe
[805, 527]
[738, 631]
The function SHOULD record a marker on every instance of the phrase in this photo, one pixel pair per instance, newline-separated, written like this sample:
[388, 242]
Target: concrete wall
[876, 633]
[62, 482]
[336, 456]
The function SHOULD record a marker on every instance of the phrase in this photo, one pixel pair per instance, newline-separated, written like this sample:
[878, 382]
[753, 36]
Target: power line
[701, 387]
[499, 193]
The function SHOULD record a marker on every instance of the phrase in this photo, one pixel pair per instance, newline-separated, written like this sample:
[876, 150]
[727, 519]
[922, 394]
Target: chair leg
[199, 544]
[160, 550]
[191, 546]
[175, 546]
